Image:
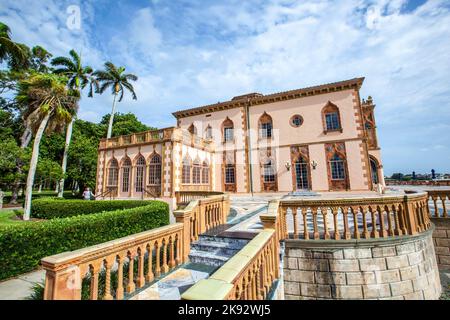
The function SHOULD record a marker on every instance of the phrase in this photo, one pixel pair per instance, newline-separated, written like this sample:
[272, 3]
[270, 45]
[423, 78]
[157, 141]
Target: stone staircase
[215, 251]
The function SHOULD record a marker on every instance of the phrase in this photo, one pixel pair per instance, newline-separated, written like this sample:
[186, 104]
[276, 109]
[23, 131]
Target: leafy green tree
[51, 106]
[47, 172]
[117, 80]
[124, 124]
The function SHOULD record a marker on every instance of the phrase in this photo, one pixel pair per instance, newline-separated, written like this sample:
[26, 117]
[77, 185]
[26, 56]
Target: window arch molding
[125, 167]
[265, 126]
[154, 169]
[186, 170]
[196, 171]
[192, 129]
[331, 118]
[227, 130]
[113, 173]
[205, 172]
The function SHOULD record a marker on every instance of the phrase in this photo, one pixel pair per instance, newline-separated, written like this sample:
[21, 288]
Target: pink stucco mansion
[321, 138]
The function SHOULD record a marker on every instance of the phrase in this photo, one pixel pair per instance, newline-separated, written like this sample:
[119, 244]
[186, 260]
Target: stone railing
[352, 218]
[418, 183]
[202, 215]
[155, 136]
[155, 252]
[439, 197]
[158, 250]
[184, 197]
[248, 275]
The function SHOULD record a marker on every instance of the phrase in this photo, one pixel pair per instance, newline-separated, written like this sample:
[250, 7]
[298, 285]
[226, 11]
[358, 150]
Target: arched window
[113, 173]
[196, 172]
[186, 171]
[265, 126]
[228, 130]
[208, 133]
[268, 171]
[126, 171]
[229, 174]
[192, 129]
[374, 170]
[205, 173]
[337, 168]
[154, 170]
[140, 169]
[331, 118]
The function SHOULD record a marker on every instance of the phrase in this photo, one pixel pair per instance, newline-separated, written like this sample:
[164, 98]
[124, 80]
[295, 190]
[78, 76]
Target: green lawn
[6, 217]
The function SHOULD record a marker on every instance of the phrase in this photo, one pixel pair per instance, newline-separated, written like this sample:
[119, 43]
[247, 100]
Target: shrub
[51, 208]
[22, 246]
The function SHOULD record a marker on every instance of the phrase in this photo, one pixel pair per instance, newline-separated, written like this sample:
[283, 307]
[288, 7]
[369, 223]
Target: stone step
[241, 242]
[208, 258]
[215, 251]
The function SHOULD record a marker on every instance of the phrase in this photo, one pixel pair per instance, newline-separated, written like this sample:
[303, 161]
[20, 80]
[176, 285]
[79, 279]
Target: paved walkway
[20, 287]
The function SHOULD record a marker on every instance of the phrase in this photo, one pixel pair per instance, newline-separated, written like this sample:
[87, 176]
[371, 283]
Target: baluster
[366, 233]
[178, 246]
[337, 234]
[119, 290]
[158, 260]
[150, 276]
[326, 234]
[436, 209]
[374, 233]
[347, 234]
[244, 295]
[294, 220]
[388, 216]
[402, 219]
[172, 255]
[108, 264]
[164, 267]
[285, 227]
[130, 285]
[316, 234]
[259, 289]
[140, 281]
[192, 227]
[95, 269]
[305, 223]
[254, 293]
[395, 210]
[444, 212]
[382, 231]
[355, 211]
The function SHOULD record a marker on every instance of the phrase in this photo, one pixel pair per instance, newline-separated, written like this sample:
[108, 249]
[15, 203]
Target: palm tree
[15, 53]
[79, 77]
[115, 78]
[50, 105]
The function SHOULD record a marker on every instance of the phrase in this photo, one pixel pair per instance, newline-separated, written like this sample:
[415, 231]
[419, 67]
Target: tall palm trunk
[33, 165]
[65, 155]
[111, 118]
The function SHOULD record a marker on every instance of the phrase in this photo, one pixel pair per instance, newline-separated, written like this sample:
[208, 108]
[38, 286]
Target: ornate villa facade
[321, 138]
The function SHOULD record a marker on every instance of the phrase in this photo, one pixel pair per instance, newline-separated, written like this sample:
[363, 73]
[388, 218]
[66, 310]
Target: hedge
[23, 246]
[51, 208]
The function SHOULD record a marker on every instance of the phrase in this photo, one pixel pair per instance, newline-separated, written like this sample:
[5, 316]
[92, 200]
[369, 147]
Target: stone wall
[397, 268]
[441, 239]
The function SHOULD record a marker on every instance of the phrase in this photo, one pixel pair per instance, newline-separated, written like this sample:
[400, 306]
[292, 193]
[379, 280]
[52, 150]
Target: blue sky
[191, 53]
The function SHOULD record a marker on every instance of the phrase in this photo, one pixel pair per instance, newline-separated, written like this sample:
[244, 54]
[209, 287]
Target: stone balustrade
[202, 215]
[352, 218]
[249, 275]
[184, 197]
[441, 220]
[155, 252]
[439, 197]
[154, 136]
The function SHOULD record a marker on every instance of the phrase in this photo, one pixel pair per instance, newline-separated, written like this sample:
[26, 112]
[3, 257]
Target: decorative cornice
[254, 99]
